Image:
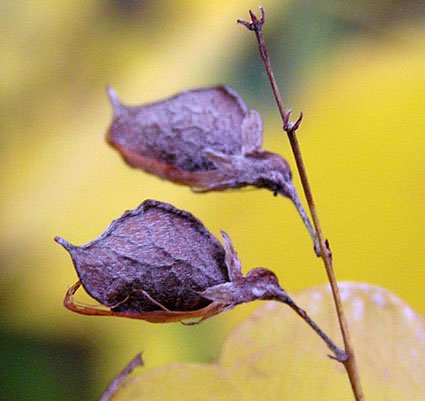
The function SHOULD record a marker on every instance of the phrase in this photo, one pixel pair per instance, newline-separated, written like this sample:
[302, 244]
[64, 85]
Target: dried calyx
[161, 264]
[205, 138]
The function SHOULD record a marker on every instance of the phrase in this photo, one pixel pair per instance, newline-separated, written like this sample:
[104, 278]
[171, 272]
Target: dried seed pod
[161, 264]
[205, 138]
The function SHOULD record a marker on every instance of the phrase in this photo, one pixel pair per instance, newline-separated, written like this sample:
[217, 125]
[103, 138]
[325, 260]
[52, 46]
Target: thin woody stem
[290, 128]
[115, 383]
[339, 354]
[300, 208]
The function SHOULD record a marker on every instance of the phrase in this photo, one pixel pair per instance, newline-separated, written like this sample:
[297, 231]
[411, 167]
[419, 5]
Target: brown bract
[205, 138]
[160, 264]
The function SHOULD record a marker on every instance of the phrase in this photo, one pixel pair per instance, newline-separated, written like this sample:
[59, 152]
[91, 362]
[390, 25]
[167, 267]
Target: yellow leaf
[275, 356]
[180, 382]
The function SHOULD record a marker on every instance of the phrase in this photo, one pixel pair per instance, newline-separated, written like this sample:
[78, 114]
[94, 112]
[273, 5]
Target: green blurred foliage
[354, 68]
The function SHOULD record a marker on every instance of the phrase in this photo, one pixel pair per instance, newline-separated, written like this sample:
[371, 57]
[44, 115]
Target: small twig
[338, 354]
[290, 128]
[113, 386]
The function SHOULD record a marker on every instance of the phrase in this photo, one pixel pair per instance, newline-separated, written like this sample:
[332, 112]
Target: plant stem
[290, 128]
[116, 382]
[339, 354]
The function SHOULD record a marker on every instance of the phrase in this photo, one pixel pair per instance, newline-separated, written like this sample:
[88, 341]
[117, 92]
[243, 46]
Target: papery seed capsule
[205, 138]
[160, 260]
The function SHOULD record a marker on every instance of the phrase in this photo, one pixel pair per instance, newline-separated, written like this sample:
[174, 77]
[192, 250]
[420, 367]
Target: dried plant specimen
[159, 258]
[205, 138]
[161, 264]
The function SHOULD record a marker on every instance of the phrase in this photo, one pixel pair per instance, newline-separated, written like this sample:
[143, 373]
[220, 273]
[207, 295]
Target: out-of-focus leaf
[272, 351]
[180, 382]
[273, 356]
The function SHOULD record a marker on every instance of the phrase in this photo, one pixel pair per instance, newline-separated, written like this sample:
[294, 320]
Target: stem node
[255, 24]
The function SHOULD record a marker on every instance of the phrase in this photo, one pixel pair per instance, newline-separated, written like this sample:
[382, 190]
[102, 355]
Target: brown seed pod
[160, 264]
[204, 138]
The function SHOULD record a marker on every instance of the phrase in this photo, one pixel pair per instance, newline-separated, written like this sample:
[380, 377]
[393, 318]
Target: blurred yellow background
[356, 70]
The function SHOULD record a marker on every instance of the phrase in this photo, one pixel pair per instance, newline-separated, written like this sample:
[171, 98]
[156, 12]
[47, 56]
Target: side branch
[339, 354]
[116, 382]
[256, 25]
